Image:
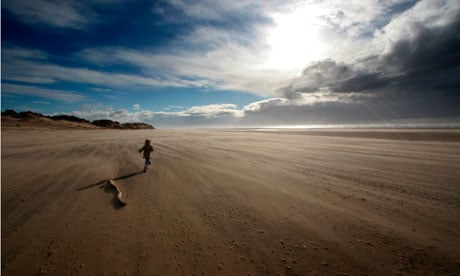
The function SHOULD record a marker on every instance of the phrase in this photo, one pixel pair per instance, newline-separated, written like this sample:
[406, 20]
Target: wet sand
[228, 202]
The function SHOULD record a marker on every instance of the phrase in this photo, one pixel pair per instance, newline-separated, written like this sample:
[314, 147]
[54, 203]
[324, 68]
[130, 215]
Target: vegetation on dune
[29, 116]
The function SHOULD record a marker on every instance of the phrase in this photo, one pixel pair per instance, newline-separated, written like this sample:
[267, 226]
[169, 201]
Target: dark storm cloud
[428, 62]
[320, 74]
[336, 77]
[363, 82]
[374, 109]
[431, 50]
[418, 77]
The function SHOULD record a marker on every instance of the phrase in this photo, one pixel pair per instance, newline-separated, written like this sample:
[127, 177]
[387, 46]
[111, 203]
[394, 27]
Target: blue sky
[232, 63]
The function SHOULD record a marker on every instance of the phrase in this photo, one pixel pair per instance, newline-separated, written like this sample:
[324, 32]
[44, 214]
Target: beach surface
[231, 202]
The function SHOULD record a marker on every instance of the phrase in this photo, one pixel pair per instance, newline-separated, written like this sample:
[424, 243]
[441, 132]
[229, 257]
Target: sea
[436, 123]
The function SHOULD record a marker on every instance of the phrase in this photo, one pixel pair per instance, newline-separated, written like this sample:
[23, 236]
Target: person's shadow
[103, 184]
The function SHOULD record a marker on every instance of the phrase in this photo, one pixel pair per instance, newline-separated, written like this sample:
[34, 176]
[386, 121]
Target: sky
[210, 63]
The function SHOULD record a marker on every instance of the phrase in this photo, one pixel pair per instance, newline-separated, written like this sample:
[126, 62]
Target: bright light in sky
[295, 41]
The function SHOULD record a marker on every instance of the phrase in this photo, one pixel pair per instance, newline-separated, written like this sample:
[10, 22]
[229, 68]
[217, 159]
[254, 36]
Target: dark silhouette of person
[147, 149]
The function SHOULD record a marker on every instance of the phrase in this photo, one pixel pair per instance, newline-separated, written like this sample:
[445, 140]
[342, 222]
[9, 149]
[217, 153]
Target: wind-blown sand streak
[231, 202]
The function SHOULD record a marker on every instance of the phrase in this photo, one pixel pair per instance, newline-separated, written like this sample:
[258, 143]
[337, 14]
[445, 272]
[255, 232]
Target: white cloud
[64, 14]
[213, 110]
[31, 79]
[217, 10]
[68, 14]
[136, 106]
[209, 115]
[305, 100]
[256, 106]
[11, 54]
[23, 68]
[54, 94]
[99, 112]
[227, 67]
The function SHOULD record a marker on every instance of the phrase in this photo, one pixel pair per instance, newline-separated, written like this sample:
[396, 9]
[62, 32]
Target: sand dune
[231, 202]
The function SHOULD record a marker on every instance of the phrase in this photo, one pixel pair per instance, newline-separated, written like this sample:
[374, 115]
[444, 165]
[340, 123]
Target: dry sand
[231, 202]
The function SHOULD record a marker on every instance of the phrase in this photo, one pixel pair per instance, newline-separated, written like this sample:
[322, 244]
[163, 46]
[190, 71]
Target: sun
[295, 41]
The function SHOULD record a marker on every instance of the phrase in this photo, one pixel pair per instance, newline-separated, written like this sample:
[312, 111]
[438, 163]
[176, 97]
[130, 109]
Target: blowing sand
[231, 202]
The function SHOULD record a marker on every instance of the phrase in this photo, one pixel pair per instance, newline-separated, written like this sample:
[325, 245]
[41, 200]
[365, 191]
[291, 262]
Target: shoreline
[408, 134]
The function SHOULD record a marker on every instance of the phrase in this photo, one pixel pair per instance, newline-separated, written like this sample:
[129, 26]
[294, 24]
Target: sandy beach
[231, 202]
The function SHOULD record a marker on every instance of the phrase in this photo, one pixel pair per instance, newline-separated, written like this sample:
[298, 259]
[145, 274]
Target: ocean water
[437, 123]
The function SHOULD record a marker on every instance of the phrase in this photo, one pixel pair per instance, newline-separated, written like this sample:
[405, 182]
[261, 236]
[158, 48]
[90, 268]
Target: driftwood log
[119, 194]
